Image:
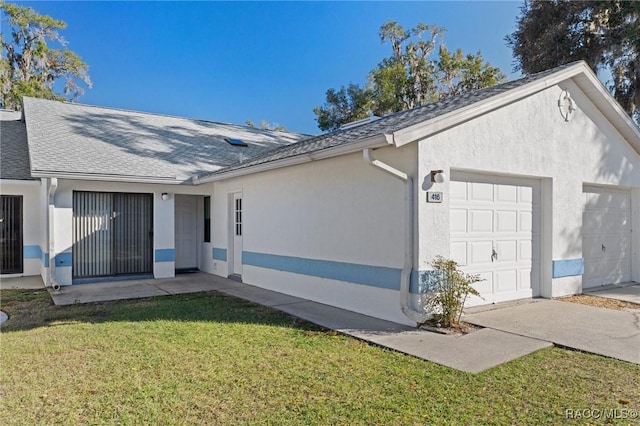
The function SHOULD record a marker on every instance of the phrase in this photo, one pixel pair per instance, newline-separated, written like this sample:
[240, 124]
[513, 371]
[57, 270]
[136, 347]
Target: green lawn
[210, 359]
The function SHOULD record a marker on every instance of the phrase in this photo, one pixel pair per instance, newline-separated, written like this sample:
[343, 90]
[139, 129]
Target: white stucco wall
[163, 219]
[339, 210]
[31, 223]
[531, 139]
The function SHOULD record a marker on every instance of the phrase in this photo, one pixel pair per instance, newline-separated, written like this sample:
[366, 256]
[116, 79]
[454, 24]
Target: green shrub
[448, 291]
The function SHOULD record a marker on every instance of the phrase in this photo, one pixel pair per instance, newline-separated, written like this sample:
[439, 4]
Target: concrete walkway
[607, 332]
[511, 330]
[28, 283]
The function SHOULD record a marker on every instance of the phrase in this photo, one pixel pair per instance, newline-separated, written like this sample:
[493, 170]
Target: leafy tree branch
[419, 70]
[29, 66]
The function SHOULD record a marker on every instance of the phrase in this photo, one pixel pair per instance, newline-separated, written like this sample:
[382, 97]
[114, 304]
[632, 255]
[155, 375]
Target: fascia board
[107, 178]
[609, 107]
[372, 142]
[446, 121]
[20, 182]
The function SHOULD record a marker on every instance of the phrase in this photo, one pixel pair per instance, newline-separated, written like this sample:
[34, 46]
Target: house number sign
[434, 197]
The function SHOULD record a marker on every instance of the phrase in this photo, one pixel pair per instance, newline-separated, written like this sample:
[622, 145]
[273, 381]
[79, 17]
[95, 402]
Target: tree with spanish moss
[420, 69]
[35, 56]
[605, 34]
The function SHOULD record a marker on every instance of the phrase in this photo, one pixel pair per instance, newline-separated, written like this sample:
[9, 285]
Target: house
[533, 184]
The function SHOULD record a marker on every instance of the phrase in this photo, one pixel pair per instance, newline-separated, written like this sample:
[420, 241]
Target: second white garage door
[495, 232]
[606, 236]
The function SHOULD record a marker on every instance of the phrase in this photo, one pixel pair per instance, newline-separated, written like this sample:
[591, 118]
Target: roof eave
[580, 73]
[476, 109]
[20, 181]
[593, 88]
[376, 141]
[110, 178]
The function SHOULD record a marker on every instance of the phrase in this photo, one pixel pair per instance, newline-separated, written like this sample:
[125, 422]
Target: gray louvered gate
[11, 234]
[112, 234]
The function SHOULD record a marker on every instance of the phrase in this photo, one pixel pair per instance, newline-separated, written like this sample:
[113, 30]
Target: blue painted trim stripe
[567, 268]
[165, 255]
[219, 254]
[45, 259]
[32, 252]
[63, 260]
[376, 276]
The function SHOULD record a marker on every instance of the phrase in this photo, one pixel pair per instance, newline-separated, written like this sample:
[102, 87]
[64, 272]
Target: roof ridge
[378, 126]
[157, 114]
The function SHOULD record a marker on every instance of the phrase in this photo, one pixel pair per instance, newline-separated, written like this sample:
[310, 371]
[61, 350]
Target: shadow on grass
[30, 309]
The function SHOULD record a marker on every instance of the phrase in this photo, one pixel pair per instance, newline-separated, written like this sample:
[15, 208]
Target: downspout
[53, 186]
[405, 277]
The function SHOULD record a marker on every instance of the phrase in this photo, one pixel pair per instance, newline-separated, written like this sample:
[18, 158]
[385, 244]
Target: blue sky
[233, 61]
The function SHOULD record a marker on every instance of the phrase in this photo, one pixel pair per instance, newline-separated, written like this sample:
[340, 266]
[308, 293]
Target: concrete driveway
[607, 332]
[629, 292]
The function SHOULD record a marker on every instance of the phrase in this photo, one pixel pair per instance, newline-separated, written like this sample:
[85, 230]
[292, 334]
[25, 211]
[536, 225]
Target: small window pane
[207, 219]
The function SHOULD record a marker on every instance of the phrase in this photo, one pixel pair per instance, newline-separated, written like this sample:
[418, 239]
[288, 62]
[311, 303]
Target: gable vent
[235, 142]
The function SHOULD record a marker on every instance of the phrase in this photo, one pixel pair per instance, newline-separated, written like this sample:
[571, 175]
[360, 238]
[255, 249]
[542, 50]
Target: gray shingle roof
[14, 152]
[89, 140]
[387, 124]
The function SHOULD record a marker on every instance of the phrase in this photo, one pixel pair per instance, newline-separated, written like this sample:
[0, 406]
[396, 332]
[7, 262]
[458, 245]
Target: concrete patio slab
[136, 289]
[607, 332]
[193, 283]
[629, 292]
[473, 352]
[28, 283]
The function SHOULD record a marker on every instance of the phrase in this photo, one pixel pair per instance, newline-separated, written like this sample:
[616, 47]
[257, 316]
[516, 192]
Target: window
[236, 142]
[207, 219]
[238, 221]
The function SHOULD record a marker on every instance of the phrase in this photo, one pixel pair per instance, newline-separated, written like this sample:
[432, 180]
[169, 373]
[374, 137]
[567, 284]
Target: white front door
[236, 231]
[606, 236]
[495, 233]
[186, 232]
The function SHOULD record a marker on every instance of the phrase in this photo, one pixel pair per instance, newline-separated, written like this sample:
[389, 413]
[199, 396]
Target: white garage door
[495, 232]
[606, 236]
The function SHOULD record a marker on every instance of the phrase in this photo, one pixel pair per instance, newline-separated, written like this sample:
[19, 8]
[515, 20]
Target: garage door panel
[458, 252]
[458, 190]
[506, 193]
[507, 250]
[525, 195]
[525, 279]
[525, 251]
[617, 247]
[480, 221]
[458, 220]
[606, 236]
[506, 221]
[480, 191]
[502, 215]
[480, 252]
[525, 222]
[591, 249]
[615, 270]
[485, 285]
[597, 222]
[506, 281]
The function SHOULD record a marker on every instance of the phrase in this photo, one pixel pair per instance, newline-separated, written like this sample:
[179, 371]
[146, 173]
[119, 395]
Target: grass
[210, 359]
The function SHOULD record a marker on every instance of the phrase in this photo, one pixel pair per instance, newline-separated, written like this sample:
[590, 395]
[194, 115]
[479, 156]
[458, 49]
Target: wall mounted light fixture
[437, 176]
[164, 196]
